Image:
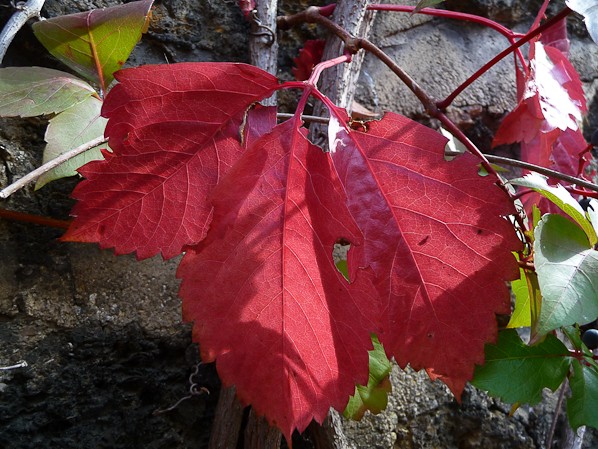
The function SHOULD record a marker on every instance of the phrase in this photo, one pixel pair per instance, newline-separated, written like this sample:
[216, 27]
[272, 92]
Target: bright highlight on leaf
[589, 10]
[516, 372]
[559, 196]
[95, 43]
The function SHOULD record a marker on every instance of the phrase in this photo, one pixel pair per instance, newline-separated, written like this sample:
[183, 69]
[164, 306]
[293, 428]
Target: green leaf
[425, 4]
[374, 396]
[516, 372]
[31, 91]
[68, 130]
[95, 43]
[528, 299]
[582, 406]
[561, 198]
[567, 273]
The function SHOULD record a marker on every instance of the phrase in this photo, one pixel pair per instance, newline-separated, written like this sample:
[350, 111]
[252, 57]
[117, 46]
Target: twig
[32, 176]
[542, 170]
[306, 118]
[557, 412]
[25, 12]
[20, 364]
[528, 37]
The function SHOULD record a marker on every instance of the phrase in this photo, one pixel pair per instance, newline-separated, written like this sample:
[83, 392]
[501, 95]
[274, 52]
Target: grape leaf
[374, 395]
[552, 102]
[559, 196]
[435, 240]
[581, 406]
[269, 305]
[31, 91]
[95, 43]
[516, 372]
[589, 10]
[174, 132]
[69, 129]
[566, 269]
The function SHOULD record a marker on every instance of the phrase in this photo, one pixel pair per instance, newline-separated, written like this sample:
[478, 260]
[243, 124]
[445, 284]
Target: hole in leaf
[340, 252]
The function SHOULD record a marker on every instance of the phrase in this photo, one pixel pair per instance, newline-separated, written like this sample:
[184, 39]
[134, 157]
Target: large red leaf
[434, 238]
[268, 303]
[174, 131]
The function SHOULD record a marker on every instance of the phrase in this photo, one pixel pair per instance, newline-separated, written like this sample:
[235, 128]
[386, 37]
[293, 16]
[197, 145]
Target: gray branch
[32, 176]
[24, 12]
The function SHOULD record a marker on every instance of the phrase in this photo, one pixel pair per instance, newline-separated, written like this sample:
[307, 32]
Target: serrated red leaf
[174, 130]
[268, 303]
[435, 239]
[258, 209]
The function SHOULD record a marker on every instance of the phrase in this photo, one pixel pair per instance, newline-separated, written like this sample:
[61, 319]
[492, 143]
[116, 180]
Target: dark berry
[584, 203]
[590, 338]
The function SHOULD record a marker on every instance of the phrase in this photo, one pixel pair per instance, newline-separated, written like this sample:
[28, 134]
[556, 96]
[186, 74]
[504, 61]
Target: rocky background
[102, 336]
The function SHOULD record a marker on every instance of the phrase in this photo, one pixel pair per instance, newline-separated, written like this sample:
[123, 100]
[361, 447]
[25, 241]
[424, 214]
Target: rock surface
[102, 335]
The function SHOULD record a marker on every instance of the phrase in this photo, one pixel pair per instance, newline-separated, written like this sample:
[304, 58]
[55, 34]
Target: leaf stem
[32, 176]
[543, 170]
[24, 12]
[528, 37]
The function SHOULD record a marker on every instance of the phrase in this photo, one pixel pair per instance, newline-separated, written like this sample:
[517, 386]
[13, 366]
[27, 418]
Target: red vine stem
[506, 32]
[528, 37]
[35, 219]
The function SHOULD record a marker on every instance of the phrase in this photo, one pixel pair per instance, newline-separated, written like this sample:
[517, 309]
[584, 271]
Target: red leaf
[434, 238]
[268, 303]
[174, 130]
[546, 119]
[309, 56]
[552, 100]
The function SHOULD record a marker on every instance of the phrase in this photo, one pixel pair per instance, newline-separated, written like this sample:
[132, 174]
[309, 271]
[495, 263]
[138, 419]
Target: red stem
[540, 15]
[528, 37]
[506, 32]
[582, 192]
[35, 219]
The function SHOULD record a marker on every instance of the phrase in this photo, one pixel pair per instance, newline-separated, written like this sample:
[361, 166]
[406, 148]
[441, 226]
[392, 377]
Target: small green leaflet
[32, 91]
[567, 273]
[516, 372]
[95, 43]
[69, 129]
[374, 396]
[560, 197]
[582, 406]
